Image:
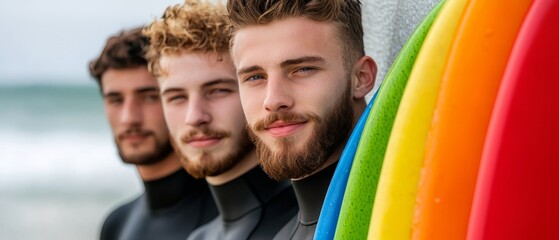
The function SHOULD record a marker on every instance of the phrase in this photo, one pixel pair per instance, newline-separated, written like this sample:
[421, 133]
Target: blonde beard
[207, 165]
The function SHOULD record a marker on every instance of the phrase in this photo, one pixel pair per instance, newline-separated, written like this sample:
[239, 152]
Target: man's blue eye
[220, 91]
[254, 77]
[175, 98]
[152, 98]
[305, 69]
[115, 100]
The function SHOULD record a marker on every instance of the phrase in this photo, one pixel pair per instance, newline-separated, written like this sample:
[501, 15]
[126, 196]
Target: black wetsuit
[310, 193]
[252, 206]
[170, 208]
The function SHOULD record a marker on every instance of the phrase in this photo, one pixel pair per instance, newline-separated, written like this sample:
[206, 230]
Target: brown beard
[328, 134]
[161, 149]
[207, 164]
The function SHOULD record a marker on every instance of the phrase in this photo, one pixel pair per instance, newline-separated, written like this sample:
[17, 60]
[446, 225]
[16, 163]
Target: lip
[203, 142]
[282, 129]
[133, 138]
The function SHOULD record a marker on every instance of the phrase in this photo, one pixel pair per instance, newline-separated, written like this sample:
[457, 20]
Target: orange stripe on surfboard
[466, 98]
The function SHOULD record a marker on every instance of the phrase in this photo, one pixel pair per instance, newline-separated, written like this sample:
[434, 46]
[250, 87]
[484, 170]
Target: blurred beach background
[60, 174]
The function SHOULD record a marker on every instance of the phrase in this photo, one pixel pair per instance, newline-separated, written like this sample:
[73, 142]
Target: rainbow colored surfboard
[354, 219]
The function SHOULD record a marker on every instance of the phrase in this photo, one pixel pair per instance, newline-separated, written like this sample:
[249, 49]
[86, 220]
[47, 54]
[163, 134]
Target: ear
[365, 74]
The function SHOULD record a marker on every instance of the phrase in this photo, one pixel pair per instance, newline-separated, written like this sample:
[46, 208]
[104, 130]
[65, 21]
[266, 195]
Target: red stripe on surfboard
[517, 191]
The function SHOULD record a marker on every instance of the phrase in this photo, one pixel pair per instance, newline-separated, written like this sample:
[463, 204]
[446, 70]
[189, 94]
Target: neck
[246, 164]
[245, 193]
[359, 107]
[310, 193]
[169, 190]
[160, 169]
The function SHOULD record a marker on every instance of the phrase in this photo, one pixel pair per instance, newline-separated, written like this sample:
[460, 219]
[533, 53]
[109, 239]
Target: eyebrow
[111, 94]
[289, 62]
[172, 90]
[305, 59]
[208, 84]
[249, 69]
[147, 90]
[139, 90]
[219, 81]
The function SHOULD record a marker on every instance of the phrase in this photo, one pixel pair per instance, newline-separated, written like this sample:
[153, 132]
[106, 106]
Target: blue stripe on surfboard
[330, 212]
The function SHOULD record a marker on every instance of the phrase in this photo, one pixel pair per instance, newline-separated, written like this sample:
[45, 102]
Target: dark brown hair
[121, 51]
[195, 26]
[345, 14]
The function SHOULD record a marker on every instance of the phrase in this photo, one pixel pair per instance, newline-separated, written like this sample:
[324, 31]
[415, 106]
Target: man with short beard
[189, 55]
[173, 203]
[303, 77]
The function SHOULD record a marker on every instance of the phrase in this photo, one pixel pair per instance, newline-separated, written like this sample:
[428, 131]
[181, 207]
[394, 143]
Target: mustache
[134, 131]
[285, 117]
[206, 132]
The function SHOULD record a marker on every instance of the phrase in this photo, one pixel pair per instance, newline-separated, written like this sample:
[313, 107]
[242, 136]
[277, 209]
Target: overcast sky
[45, 41]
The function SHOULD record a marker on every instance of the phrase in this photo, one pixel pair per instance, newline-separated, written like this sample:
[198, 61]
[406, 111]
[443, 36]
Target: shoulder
[210, 230]
[115, 220]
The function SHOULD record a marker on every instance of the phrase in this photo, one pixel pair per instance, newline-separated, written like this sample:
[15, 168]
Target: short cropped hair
[195, 26]
[346, 14]
[122, 51]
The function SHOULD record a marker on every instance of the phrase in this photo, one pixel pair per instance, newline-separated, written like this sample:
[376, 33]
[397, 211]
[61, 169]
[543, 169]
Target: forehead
[189, 69]
[130, 79]
[285, 39]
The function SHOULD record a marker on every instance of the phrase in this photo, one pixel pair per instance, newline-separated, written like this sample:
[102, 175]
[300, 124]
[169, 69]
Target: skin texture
[133, 108]
[204, 114]
[300, 77]
[294, 88]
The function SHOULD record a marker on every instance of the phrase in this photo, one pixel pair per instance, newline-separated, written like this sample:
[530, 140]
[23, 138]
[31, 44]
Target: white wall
[388, 25]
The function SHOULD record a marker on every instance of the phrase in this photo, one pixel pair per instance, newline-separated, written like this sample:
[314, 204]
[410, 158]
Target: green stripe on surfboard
[355, 214]
[395, 199]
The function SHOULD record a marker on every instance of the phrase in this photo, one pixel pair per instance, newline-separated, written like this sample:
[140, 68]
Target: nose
[197, 113]
[278, 94]
[131, 113]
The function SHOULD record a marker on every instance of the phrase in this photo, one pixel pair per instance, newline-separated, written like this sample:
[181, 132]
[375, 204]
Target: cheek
[318, 101]
[251, 104]
[174, 117]
[334, 92]
[112, 116]
[233, 115]
[155, 113]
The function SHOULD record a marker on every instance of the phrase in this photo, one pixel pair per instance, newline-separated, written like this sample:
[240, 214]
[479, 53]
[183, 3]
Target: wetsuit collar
[310, 193]
[244, 194]
[170, 190]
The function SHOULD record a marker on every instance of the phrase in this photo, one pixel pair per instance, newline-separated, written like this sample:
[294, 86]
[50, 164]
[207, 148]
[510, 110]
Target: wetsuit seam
[296, 228]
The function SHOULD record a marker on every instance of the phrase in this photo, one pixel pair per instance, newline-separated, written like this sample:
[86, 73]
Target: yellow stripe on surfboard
[394, 204]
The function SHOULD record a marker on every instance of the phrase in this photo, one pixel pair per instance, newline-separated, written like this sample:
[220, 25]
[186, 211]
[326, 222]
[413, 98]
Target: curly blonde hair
[195, 26]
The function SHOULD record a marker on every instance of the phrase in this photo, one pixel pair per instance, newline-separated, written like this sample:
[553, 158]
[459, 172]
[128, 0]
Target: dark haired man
[173, 203]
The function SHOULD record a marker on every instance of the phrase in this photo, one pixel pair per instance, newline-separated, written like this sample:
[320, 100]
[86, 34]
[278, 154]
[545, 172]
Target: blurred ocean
[60, 174]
